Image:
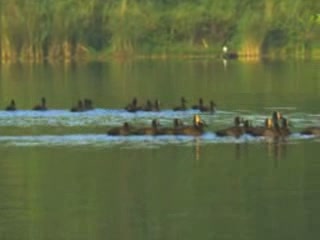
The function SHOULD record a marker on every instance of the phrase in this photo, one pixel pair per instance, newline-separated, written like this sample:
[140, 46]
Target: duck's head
[268, 123]
[276, 115]
[247, 123]
[157, 102]
[198, 122]
[177, 122]
[285, 123]
[155, 123]
[237, 121]
[134, 101]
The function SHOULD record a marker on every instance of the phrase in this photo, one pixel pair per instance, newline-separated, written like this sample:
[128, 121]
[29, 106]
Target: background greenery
[65, 29]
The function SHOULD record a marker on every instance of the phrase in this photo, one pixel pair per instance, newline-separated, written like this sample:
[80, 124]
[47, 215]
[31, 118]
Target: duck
[156, 106]
[88, 104]
[274, 131]
[148, 107]
[258, 131]
[200, 103]
[133, 106]
[182, 107]
[124, 130]
[153, 130]
[78, 108]
[196, 129]
[177, 124]
[276, 117]
[311, 131]
[42, 106]
[284, 129]
[11, 106]
[248, 128]
[211, 108]
[236, 131]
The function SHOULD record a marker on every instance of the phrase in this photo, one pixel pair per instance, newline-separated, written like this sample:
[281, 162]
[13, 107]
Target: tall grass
[35, 30]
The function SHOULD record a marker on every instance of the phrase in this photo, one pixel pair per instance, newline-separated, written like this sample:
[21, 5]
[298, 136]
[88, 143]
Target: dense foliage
[39, 29]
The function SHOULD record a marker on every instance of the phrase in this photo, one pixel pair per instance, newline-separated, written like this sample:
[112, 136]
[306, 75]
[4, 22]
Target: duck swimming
[124, 130]
[133, 106]
[311, 131]
[88, 104]
[211, 108]
[153, 130]
[42, 106]
[236, 131]
[284, 129]
[177, 124]
[276, 117]
[182, 107]
[11, 106]
[271, 130]
[78, 108]
[156, 106]
[196, 107]
[258, 131]
[277, 131]
[196, 129]
[148, 107]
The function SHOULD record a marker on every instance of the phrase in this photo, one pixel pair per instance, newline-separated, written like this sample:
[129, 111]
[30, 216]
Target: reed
[67, 30]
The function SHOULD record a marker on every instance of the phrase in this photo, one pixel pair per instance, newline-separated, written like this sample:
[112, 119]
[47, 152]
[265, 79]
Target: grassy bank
[54, 30]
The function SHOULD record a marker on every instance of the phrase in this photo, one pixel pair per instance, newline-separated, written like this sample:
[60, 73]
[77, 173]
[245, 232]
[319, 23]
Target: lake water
[62, 177]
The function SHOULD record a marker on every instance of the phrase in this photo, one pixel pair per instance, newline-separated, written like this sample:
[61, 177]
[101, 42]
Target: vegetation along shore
[53, 30]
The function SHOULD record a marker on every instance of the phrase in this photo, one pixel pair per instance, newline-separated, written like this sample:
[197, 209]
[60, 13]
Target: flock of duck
[81, 106]
[86, 105]
[134, 107]
[275, 126]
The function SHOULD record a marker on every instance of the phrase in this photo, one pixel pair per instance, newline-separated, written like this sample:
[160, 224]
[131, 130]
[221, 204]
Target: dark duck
[42, 106]
[11, 106]
[236, 131]
[196, 129]
[88, 105]
[124, 130]
[183, 105]
[177, 124]
[200, 103]
[133, 106]
[311, 131]
[153, 130]
[260, 130]
[211, 108]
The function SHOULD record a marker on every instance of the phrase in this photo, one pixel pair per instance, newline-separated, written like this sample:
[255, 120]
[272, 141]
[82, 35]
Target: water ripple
[24, 128]
[102, 140]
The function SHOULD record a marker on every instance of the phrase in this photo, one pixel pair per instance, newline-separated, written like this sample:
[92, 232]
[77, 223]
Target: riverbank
[85, 55]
